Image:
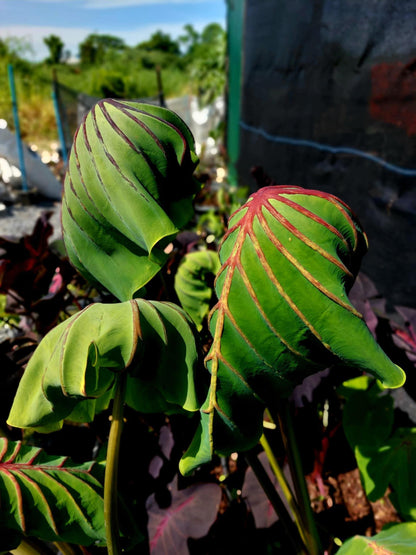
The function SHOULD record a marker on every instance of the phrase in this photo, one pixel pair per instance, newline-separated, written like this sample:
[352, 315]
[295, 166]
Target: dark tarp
[329, 102]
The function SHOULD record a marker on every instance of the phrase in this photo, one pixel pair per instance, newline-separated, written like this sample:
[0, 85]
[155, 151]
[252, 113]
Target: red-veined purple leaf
[191, 514]
[405, 336]
[257, 501]
[364, 296]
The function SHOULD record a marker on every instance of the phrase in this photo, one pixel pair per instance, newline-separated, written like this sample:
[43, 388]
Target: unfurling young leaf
[49, 497]
[289, 258]
[193, 283]
[128, 191]
[73, 371]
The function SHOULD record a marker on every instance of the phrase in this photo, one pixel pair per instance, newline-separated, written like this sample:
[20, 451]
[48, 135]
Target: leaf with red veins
[68, 497]
[289, 259]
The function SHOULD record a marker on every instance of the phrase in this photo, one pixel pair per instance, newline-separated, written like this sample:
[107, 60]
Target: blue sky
[131, 20]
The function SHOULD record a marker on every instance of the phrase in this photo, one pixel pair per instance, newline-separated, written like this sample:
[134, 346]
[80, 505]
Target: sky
[131, 20]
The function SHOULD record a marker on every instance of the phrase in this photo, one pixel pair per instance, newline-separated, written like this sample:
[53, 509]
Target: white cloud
[34, 36]
[48, 1]
[103, 4]
[108, 4]
[73, 36]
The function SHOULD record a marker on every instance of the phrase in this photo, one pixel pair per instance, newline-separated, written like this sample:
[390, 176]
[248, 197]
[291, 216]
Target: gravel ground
[17, 220]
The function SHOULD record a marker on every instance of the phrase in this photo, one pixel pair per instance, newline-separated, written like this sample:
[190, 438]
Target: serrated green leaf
[289, 258]
[68, 498]
[194, 283]
[72, 372]
[131, 165]
[396, 540]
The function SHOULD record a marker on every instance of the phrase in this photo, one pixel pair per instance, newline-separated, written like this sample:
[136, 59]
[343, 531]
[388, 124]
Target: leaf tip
[395, 379]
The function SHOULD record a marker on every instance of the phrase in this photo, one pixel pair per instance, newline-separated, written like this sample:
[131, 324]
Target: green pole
[17, 128]
[235, 26]
[61, 134]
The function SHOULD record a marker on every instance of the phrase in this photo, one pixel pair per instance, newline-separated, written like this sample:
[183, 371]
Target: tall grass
[118, 77]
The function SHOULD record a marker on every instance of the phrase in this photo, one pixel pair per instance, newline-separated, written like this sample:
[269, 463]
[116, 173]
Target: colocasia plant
[285, 267]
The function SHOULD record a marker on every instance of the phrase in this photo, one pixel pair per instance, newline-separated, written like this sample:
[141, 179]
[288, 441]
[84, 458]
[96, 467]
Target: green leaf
[368, 413]
[391, 464]
[194, 283]
[396, 540]
[289, 258]
[383, 461]
[131, 166]
[72, 372]
[165, 378]
[49, 497]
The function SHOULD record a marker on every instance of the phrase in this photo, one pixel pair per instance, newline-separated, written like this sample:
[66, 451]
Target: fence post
[17, 128]
[61, 134]
[160, 87]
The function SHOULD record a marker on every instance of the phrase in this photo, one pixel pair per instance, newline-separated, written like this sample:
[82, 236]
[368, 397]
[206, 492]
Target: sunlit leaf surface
[128, 191]
[73, 371]
[289, 258]
[397, 540]
[49, 497]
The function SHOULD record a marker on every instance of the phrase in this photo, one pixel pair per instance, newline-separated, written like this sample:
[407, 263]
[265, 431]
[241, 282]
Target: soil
[345, 498]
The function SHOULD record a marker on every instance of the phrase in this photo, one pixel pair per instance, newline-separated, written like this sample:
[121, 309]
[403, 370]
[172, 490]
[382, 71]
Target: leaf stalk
[298, 477]
[276, 503]
[30, 547]
[111, 469]
[284, 486]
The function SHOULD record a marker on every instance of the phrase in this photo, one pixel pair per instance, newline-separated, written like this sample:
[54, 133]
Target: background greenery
[107, 67]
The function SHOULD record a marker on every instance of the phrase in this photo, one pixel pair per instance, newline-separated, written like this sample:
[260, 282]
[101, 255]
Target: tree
[212, 34]
[56, 46]
[206, 60]
[16, 48]
[95, 47]
[190, 39]
[3, 49]
[162, 42]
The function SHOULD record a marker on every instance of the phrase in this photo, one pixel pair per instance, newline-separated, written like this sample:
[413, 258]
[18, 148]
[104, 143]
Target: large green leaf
[73, 371]
[289, 258]
[384, 459]
[396, 540]
[128, 190]
[49, 497]
[368, 413]
[391, 464]
[194, 283]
